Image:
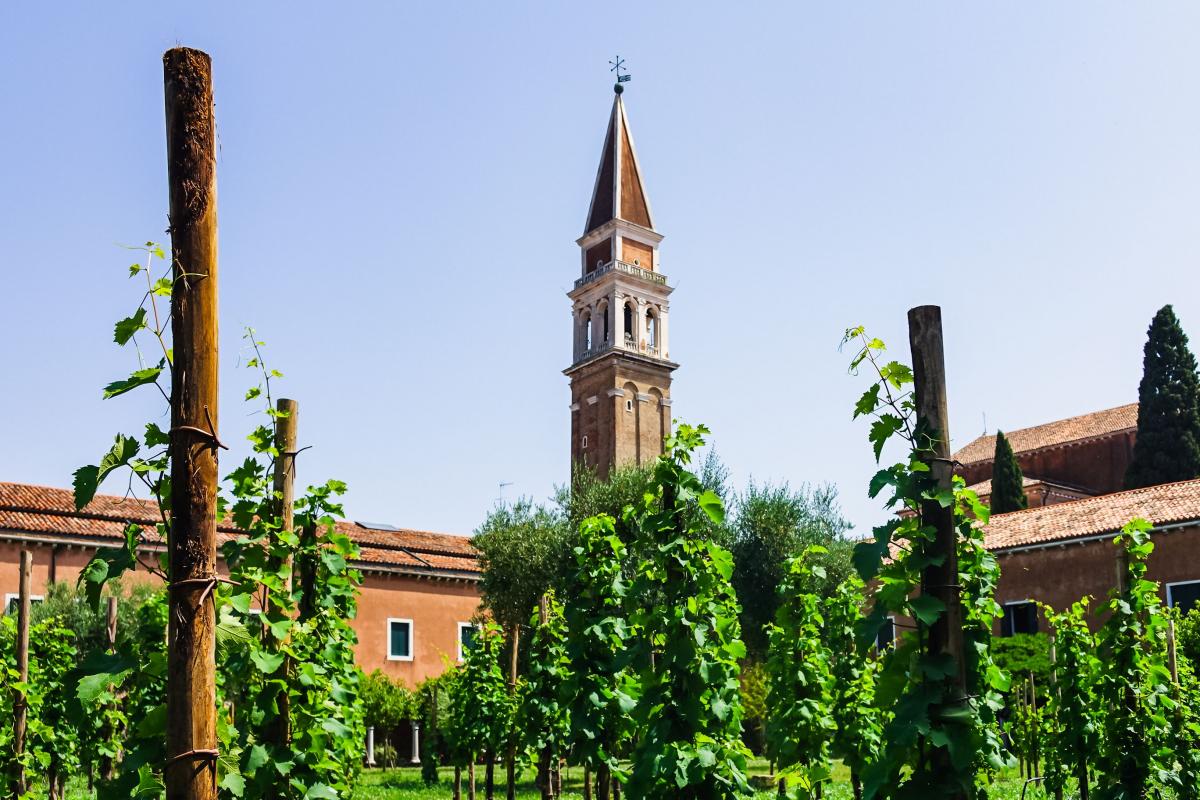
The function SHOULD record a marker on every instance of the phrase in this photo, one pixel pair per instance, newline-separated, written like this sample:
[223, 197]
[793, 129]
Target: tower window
[585, 441]
[628, 321]
[587, 332]
[606, 336]
[651, 330]
[629, 405]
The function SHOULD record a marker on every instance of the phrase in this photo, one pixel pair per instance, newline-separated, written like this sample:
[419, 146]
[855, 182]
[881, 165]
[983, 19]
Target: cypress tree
[1168, 430]
[1008, 484]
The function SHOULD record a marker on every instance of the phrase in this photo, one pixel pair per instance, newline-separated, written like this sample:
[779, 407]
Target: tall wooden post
[938, 580]
[1172, 654]
[278, 732]
[511, 756]
[191, 766]
[20, 704]
[110, 626]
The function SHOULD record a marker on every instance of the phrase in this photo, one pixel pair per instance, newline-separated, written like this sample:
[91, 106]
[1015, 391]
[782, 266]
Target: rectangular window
[466, 638]
[1020, 617]
[12, 600]
[400, 640]
[887, 635]
[1184, 595]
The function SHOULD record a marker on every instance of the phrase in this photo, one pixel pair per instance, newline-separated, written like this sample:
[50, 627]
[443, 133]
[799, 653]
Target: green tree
[600, 697]
[387, 705]
[858, 719]
[1187, 636]
[772, 524]
[1168, 432]
[801, 724]
[545, 724]
[522, 548]
[1008, 484]
[1073, 711]
[1023, 653]
[1134, 686]
[688, 714]
[481, 706]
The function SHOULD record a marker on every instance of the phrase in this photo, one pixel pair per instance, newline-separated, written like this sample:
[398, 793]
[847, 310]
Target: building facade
[420, 590]
[621, 368]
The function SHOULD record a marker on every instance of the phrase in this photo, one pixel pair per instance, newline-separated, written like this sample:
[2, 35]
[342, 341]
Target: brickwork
[620, 427]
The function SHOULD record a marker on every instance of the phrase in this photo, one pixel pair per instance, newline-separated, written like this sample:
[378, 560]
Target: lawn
[405, 784]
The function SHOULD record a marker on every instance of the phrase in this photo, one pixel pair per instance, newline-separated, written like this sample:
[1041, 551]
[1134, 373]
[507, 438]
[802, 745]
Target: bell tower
[620, 368]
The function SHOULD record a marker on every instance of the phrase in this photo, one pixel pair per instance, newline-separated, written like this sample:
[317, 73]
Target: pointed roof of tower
[619, 193]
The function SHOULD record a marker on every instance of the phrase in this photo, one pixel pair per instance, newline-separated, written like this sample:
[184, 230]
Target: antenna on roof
[985, 423]
[617, 65]
[500, 499]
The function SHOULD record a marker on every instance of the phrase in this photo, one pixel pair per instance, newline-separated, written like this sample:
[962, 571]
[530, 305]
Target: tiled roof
[1161, 505]
[32, 509]
[1086, 426]
[985, 487]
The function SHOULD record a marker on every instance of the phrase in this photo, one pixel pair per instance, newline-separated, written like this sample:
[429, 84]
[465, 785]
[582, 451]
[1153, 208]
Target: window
[12, 600]
[606, 337]
[587, 332]
[628, 321]
[585, 441]
[1020, 617]
[1184, 595]
[651, 330]
[400, 640]
[887, 635]
[629, 405]
[466, 638]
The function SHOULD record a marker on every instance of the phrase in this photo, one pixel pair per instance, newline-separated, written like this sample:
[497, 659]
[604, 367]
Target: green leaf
[154, 724]
[926, 608]
[85, 482]
[234, 783]
[88, 479]
[162, 287]
[257, 757]
[134, 269]
[155, 436]
[320, 791]
[266, 662]
[127, 327]
[253, 392]
[138, 378]
[712, 506]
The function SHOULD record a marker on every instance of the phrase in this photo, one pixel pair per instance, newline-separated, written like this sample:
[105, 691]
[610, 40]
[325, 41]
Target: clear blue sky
[401, 186]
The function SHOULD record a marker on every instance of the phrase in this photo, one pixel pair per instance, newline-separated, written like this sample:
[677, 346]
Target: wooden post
[940, 580]
[20, 707]
[111, 624]
[278, 730]
[190, 771]
[1172, 656]
[545, 766]
[1034, 745]
[511, 756]
[471, 778]
[457, 782]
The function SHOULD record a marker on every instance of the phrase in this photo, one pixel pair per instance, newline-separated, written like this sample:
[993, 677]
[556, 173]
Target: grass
[405, 784]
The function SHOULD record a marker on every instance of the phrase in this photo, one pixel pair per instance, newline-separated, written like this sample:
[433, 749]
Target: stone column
[416, 748]
[371, 746]
[663, 349]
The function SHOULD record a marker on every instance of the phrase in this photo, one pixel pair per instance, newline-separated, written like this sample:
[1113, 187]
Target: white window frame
[892, 619]
[1170, 594]
[33, 598]
[458, 643]
[1004, 606]
[412, 639]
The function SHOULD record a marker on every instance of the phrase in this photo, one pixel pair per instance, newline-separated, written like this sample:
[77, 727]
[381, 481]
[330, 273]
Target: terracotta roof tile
[1161, 505]
[1072, 429]
[45, 510]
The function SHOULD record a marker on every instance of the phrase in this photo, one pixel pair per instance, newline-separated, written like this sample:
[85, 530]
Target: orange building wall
[435, 606]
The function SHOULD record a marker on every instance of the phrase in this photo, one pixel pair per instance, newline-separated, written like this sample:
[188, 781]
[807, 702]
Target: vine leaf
[88, 479]
[126, 328]
[711, 504]
[926, 608]
[138, 378]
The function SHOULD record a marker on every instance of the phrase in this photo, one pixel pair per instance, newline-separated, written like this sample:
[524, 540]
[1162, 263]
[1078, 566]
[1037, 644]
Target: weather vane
[618, 65]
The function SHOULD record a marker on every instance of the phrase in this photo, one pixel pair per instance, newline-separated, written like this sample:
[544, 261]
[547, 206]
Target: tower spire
[619, 193]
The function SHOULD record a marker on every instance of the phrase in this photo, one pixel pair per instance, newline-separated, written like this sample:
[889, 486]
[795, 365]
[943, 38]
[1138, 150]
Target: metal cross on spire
[617, 65]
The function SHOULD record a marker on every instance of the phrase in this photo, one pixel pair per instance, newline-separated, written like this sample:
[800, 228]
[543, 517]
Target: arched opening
[586, 333]
[629, 318]
[651, 329]
[605, 325]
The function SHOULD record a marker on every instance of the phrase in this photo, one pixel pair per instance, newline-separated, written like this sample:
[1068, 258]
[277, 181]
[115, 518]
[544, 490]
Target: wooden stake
[278, 732]
[1172, 657]
[190, 772]
[20, 707]
[111, 624]
[511, 756]
[940, 581]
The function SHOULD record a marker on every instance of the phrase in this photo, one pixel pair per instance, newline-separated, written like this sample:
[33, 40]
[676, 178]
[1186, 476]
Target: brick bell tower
[621, 369]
